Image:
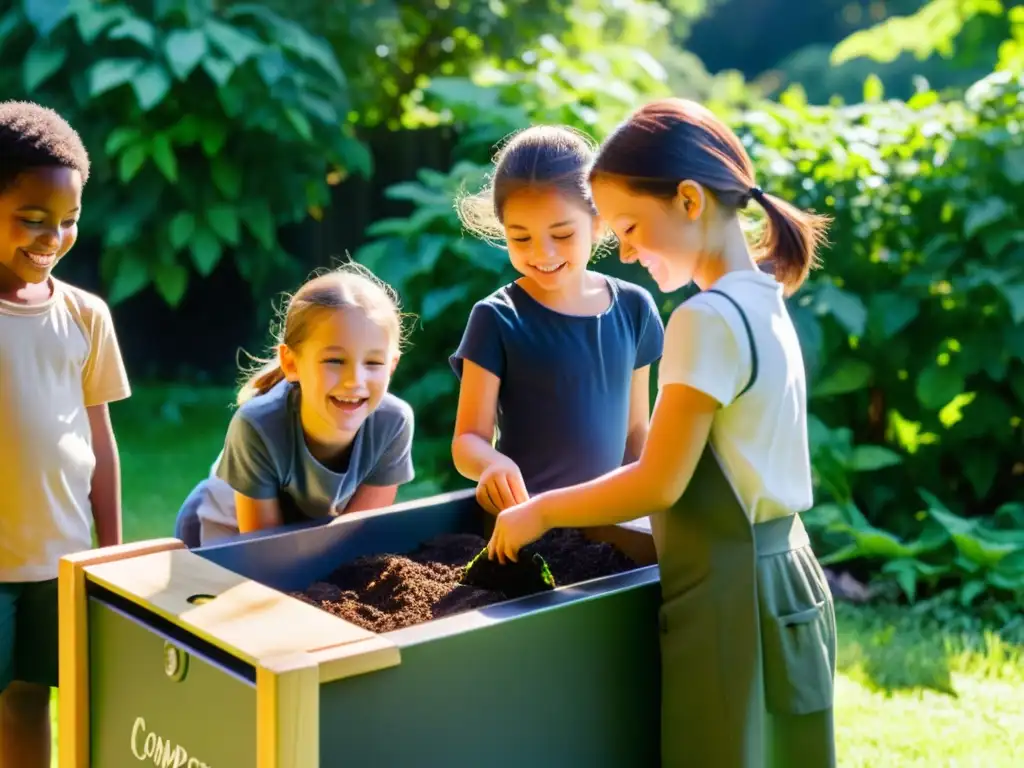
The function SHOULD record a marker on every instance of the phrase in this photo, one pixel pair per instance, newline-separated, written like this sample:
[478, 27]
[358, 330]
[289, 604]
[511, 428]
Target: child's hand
[501, 486]
[514, 529]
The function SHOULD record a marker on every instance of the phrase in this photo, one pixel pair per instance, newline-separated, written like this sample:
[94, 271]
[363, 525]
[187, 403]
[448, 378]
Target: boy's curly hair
[33, 136]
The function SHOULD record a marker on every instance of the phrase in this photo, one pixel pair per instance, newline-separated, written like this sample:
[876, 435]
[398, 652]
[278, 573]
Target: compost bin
[207, 659]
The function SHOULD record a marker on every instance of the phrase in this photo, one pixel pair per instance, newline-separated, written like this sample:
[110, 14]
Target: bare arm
[372, 497]
[472, 447]
[679, 431]
[257, 514]
[105, 494]
[639, 414]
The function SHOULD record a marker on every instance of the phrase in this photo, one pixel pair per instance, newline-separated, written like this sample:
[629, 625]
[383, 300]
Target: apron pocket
[798, 665]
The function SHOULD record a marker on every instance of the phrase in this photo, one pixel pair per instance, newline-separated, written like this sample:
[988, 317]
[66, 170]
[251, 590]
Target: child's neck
[734, 256]
[331, 450]
[587, 295]
[17, 291]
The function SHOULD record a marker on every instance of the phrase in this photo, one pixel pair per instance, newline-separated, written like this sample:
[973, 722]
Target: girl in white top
[747, 622]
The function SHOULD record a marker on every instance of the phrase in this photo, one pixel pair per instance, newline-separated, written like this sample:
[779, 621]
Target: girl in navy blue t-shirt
[559, 359]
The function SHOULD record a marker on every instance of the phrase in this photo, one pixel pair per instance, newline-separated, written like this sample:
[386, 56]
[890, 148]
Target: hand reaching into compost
[514, 529]
[501, 486]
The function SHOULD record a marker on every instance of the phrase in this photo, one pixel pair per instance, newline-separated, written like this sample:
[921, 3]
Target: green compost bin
[201, 655]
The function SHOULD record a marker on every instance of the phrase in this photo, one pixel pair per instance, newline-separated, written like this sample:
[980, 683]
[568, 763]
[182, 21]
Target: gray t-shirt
[265, 456]
[563, 405]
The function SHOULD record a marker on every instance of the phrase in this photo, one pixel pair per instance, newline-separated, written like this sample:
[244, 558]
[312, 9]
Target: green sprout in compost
[527, 576]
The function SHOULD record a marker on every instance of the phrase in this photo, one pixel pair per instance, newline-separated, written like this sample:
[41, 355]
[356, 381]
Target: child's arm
[393, 468]
[257, 514]
[499, 481]
[639, 414]
[105, 495]
[372, 497]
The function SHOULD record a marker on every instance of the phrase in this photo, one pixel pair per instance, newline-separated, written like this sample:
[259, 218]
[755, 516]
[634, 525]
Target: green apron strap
[750, 338]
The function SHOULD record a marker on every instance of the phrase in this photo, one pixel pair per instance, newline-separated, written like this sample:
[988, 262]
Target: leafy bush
[209, 129]
[913, 332]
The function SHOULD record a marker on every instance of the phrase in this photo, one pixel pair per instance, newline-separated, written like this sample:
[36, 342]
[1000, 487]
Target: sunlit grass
[909, 692]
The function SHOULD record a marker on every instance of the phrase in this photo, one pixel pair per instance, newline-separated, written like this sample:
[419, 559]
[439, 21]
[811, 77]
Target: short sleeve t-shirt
[57, 359]
[563, 404]
[760, 439]
[265, 456]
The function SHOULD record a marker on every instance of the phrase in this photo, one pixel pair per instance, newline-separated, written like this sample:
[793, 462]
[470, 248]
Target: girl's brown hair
[551, 156]
[349, 286]
[674, 140]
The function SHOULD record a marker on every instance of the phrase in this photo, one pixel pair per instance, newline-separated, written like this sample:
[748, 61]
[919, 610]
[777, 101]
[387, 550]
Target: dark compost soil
[387, 592]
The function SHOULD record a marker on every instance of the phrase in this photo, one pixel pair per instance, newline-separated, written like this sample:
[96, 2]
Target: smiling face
[38, 225]
[343, 368]
[550, 236]
[667, 237]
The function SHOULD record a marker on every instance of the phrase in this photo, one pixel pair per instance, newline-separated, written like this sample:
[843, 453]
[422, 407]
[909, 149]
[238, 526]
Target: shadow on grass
[890, 649]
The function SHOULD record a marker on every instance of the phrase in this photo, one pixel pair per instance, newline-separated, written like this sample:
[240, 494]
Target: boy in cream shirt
[60, 366]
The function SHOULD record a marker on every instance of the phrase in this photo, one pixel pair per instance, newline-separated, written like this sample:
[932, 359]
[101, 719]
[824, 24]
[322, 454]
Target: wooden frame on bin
[249, 620]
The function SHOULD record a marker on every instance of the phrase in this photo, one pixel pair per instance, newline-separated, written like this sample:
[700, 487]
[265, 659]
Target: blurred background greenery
[237, 146]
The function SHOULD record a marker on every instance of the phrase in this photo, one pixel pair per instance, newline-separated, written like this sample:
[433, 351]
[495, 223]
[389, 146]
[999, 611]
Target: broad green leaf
[979, 466]
[45, 15]
[299, 123]
[220, 70]
[867, 458]
[874, 91]
[233, 43]
[938, 384]
[848, 376]
[137, 29]
[974, 544]
[425, 391]
[43, 60]
[164, 158]
[1014, 295]
[1013, 165]
[227, 177]
[260, 222]
[214, 134]
[151, 85]
[184, 49]
[223, 220]
[206, 251]
[107, 74]
[132, 161]
[890, 313]
[985, 214]
[120, 138]
[170, 281]
[9, 22]
[92, 18]
[905, 572]
[845, 307]
[971, 591]
[130, 277]
[440, 299]
[181, 229]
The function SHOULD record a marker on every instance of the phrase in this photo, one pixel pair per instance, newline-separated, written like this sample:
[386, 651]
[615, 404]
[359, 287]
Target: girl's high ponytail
[790, 239]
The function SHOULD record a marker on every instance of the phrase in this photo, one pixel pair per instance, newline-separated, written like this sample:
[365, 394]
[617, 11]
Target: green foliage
[914, 331]
[208, 129]
[947, 28]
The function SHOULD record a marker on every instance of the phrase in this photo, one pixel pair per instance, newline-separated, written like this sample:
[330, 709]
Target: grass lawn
[909, 693]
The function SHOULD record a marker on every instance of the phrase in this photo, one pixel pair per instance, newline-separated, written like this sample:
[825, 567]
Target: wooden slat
[288, 712]
[356, 658]
[73, 692]
[247, 619]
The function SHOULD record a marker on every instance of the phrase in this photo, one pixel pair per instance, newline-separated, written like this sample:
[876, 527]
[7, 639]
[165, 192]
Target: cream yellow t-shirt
[56, 360]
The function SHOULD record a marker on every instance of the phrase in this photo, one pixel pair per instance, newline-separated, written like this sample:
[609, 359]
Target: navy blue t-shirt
[563, 405]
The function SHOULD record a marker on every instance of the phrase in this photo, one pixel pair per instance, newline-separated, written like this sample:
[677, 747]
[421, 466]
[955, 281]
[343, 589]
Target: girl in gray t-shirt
[317, 433]
[558, 360]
